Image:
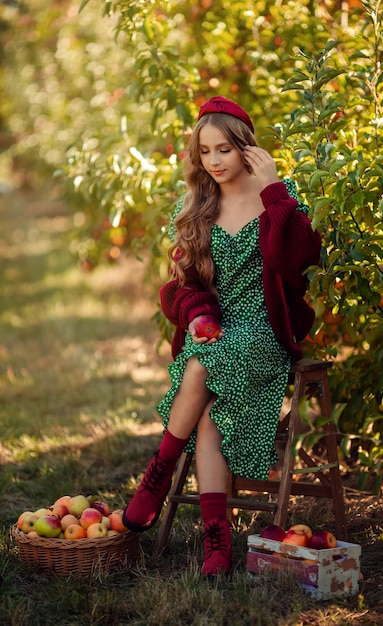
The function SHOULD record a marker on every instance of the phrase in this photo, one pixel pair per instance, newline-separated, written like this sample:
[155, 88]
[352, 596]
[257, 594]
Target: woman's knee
[206, 426]
[194, 371]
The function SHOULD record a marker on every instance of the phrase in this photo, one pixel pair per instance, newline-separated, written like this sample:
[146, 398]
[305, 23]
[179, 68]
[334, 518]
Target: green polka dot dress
[248, 368]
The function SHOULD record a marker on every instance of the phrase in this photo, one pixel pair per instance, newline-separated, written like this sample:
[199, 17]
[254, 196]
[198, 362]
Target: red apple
[322, 539]
[302, 528]
[116, 522]
[296, 539]
[94, 531]
[90, 516]
[62, 500]
[274, 532]
[207, 326]
[59, 510]
[101, 506]
[48, 526]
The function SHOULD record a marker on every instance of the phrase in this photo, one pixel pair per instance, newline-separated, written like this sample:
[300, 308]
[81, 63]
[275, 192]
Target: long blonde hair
[200, 207]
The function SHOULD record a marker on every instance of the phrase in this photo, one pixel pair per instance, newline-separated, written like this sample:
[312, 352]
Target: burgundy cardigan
[288, 246]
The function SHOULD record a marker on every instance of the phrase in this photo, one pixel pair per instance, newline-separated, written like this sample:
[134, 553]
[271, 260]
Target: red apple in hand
[274, 532]
[207, 326]
[296, 538]
[322, 539]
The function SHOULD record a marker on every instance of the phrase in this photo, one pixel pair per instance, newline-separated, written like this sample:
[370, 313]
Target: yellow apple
[42, 512]
[105, 521]
[77, 504]
[94, 531]
[69, 519]
[26, 522]
[302, 528]
[74, 532]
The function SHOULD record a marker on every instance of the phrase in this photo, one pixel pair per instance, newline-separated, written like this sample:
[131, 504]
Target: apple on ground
[69, 519]
[101, 506]
[302, 528]
[48, 526]
[77, 504]
[116, 522]
[74, 532]
[274, 532]
[90, 516]
[322, 539]
[296, 539]
[26, 521]
[207, 326]
[94, 531]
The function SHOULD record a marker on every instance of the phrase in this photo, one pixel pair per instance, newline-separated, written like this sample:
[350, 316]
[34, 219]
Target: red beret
[219, 104]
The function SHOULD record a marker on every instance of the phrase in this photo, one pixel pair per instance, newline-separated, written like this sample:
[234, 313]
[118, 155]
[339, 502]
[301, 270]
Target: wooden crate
[322, 573]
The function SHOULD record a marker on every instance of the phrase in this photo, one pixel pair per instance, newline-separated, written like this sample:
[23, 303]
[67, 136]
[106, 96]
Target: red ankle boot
[144, 509]
[217, 548]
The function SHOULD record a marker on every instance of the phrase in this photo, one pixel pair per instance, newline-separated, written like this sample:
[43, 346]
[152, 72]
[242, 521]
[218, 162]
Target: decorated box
[322, 573]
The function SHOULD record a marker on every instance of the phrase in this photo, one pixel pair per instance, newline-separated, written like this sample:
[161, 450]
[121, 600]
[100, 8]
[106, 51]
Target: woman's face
[219, 157]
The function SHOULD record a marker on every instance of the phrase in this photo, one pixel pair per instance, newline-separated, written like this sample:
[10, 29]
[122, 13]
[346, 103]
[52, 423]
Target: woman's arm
[288, 243]
[181, 305]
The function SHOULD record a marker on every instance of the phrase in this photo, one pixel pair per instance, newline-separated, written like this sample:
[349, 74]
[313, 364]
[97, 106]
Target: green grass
[79, 380]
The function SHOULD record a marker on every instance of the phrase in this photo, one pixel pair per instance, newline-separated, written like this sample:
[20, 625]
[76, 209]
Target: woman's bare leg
[211, 464]
[190, 401]
[143, 510]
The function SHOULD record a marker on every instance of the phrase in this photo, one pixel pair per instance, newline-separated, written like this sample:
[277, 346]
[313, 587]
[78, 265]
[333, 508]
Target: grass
[79, 380]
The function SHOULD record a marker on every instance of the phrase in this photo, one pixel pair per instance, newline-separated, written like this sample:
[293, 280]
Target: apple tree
[314, 89]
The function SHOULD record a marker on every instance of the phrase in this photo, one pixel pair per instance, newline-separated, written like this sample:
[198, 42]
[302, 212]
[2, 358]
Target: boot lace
[214, 536]
[155, 475]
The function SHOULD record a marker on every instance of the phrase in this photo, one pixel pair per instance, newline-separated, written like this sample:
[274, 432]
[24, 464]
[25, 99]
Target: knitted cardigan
[288, 246]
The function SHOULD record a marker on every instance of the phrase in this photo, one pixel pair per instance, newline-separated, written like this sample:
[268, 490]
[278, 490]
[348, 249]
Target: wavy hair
[201, 204]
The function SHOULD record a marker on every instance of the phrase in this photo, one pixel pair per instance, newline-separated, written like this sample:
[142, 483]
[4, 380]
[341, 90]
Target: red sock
[213, 506]
[171, 447]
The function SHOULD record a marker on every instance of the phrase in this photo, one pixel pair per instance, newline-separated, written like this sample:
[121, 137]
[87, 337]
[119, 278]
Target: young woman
[242, 243]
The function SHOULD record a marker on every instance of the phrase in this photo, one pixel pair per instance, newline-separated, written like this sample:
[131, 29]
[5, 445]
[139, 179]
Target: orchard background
[100, 96]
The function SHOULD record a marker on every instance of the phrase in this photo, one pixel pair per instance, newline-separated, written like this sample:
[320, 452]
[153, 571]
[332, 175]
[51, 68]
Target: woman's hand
[196, 329]
[262, 164]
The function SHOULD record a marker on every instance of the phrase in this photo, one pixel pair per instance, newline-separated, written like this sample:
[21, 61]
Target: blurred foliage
[105, 97]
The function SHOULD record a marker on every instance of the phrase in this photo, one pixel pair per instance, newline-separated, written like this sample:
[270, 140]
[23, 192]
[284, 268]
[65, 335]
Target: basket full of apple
[76, 535]
[323, 565]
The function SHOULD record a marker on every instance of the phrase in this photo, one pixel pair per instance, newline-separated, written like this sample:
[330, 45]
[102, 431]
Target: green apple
[77, 505]
[48, 526]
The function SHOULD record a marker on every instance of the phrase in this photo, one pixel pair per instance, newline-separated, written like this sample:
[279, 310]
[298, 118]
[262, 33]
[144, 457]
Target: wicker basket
[80, 557]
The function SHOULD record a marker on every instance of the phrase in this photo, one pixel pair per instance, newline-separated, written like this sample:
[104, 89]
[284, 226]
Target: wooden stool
[309, 378]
